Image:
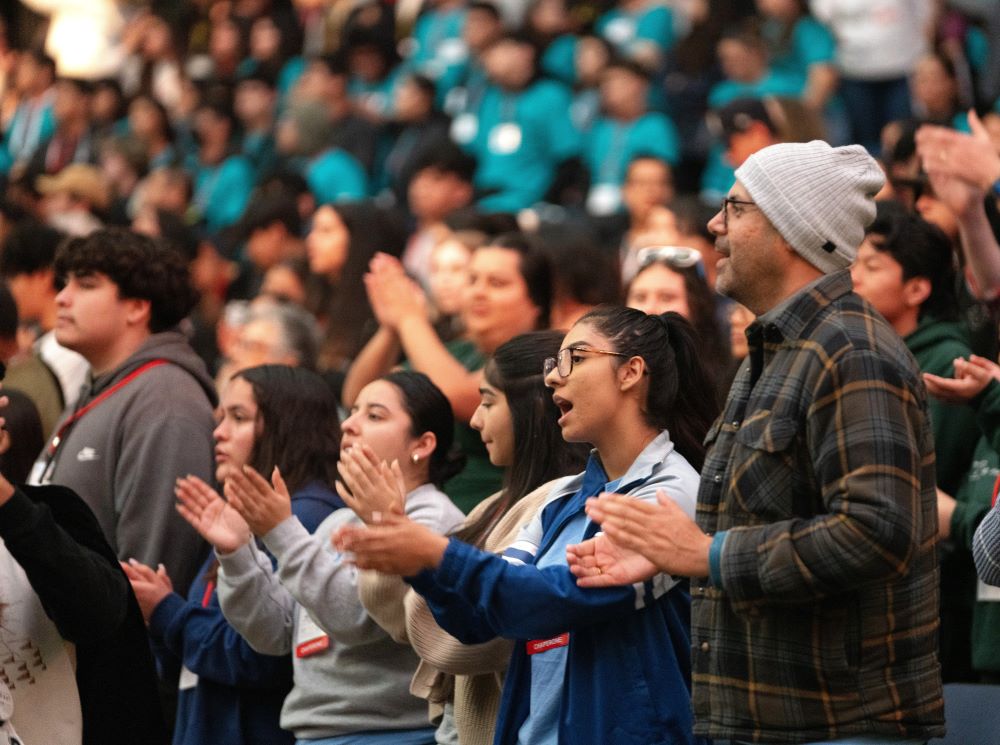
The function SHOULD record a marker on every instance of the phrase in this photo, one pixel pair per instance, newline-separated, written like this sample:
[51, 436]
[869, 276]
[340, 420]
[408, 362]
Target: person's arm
[986, 548]
[158, 447]
[821, 83]
[254, 601]
[83, 591]
[962, 169]
[375, 359]
[211, 648]
[427, 354]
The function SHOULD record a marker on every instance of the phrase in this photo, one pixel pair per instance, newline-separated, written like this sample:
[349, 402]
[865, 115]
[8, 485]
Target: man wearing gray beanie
[813, 562]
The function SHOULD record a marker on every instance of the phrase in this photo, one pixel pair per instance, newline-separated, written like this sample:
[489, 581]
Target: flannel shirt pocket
[764, 473]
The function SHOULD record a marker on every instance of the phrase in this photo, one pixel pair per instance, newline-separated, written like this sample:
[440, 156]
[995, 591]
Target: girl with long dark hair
[589, 666]
[270, 416]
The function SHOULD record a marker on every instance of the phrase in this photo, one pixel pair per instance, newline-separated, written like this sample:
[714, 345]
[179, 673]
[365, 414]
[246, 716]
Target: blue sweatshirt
[229, 694]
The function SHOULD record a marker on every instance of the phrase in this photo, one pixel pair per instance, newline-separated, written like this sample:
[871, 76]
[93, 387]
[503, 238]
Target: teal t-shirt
[221, 191]
[627, 31]
[335, 176]
[809, 43]
[520, 138]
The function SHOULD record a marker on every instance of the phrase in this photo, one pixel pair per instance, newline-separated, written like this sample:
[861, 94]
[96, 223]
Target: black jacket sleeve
[76, 577]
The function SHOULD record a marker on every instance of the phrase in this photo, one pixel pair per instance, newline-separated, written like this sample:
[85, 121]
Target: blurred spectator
[936, 92]
[523, 129]
[591, 55]
[441, 185]
[878, 45]
[149, 121]
[107, 109]
[33, 121]
[641, 30]
[153, 67]
[272, 229]
[73, 140]
[343, 239]
[324, 81]
[672, 278]
[72, 198]
[464, 84]
[255, 106]
[509, 292]
[223, 179]
[802, 48]
[583, 274]
[416, 129]
[448, 278]
[26, 263]
[333, 174]
[275, 43]
[626, 129]
[275, 334]
[123, 163]
[287, 282]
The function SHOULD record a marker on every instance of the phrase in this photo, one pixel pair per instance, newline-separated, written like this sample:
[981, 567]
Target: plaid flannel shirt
[824, 620]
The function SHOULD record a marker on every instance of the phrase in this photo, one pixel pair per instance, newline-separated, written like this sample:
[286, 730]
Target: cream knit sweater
[475, 670]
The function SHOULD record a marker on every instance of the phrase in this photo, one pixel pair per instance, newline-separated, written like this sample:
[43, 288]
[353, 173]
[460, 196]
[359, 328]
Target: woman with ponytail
[516, 420]
[602, 666]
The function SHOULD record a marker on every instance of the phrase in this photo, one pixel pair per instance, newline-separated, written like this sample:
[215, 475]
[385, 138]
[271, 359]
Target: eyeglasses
[725, 208]
[679, 257]
[563, 361]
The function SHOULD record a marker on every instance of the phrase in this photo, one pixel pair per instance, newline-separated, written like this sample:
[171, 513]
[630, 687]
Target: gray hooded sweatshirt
[123, 456]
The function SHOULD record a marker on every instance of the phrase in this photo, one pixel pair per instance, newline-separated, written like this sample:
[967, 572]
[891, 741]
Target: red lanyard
[79, 413]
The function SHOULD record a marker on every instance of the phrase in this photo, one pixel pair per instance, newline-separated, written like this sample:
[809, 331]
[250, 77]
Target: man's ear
[138, 311]
[916, 290]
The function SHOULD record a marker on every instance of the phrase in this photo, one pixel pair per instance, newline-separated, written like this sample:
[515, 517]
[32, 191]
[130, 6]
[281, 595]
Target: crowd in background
[348, 211]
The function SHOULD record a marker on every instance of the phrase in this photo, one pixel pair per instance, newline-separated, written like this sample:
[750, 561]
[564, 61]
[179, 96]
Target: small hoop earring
[415, 458]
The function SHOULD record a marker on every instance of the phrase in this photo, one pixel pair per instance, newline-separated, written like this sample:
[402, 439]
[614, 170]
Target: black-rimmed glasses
[725, 208]
[563, 361]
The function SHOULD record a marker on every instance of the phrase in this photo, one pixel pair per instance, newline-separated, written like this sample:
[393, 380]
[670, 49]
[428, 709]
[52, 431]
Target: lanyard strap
[79, 413]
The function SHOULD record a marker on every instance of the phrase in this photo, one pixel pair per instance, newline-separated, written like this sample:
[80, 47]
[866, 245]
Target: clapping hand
[215, 520]
[149, 587]
[393, 544]
[263, 505]
[369, 485]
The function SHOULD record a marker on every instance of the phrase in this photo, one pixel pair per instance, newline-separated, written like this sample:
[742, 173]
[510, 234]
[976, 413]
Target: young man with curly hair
[146, 416]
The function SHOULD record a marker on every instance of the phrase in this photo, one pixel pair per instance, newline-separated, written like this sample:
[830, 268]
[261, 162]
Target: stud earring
[415, 458]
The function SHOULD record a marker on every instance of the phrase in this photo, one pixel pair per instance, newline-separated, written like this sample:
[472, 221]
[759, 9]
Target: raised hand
[149, 587]
[599, 562]
[394, 545]
[215, 520]
[370, 485]
[261, 504]
[971, 378]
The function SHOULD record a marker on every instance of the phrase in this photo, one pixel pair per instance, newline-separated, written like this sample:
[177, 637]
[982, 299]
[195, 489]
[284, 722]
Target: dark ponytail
[681, 397]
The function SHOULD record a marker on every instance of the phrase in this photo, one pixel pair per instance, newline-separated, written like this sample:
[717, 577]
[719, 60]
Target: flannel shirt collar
[790, 318]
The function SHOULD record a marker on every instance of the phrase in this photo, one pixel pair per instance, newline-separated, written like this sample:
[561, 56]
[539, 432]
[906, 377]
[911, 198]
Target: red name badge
[313, 646]
[544, 645]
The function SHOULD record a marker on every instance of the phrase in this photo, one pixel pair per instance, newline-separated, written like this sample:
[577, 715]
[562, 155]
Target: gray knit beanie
[820, 198]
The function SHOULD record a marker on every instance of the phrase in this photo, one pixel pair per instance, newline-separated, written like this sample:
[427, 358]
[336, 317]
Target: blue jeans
[871, 104]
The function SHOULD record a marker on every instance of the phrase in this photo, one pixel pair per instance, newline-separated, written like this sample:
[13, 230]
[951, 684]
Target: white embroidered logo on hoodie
[86, 454]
